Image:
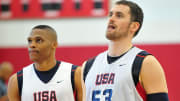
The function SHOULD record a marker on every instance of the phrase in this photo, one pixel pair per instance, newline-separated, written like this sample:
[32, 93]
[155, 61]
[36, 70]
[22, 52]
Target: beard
[116, 35]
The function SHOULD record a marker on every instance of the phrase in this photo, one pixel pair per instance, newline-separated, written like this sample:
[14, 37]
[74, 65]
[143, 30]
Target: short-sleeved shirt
[3, 88]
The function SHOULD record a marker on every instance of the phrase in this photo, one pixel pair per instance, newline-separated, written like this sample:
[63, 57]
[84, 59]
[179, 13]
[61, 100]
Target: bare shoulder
[13, 92]
[79, 84]
[78, 75]
[152, 76]
[84, 63]
[12, 80]
[78, 71]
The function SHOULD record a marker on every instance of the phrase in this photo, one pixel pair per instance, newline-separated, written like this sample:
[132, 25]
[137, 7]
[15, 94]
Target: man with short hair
[47, 79]
[124, 72]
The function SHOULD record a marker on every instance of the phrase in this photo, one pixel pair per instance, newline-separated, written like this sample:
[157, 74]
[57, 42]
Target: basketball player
[124, 72]
[47, 79]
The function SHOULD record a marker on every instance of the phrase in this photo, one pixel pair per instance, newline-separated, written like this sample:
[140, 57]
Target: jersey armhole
[20, 81]
[136, 68]
[88, 67]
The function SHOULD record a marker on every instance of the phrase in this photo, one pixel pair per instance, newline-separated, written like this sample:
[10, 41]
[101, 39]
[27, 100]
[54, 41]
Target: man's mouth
[33, 51]
[111, 27]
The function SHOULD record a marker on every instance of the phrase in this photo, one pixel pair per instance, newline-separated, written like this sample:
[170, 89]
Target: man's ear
[134, 27]
[55, 44]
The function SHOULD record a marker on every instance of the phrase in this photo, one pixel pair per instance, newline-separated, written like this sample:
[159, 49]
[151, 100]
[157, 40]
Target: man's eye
[38, 40]
[119, 15]
[29, 41]
[110, 14]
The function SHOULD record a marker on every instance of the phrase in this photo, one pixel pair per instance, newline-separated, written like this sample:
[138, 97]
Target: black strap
[158, 97]
[137, 65]
[20, 81]
[87, 67]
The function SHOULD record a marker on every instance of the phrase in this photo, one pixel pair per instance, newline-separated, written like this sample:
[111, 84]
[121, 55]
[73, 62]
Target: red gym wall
[167, 54]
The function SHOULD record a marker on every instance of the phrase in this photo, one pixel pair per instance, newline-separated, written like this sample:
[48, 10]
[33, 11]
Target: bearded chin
[110, 36]
[115, 36]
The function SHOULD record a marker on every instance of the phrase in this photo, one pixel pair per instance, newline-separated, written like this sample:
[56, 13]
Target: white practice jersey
[112, 82]
[59, 88]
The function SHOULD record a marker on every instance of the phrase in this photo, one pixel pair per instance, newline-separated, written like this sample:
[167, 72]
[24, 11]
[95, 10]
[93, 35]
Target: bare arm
[152, 76]
[79, 84]
[13, 92]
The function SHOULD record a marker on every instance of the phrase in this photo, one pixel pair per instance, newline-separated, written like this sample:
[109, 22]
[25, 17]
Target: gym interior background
[81, 26]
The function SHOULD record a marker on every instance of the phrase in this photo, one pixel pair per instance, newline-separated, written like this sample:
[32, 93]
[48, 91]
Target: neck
[117, 48]
[45, 65]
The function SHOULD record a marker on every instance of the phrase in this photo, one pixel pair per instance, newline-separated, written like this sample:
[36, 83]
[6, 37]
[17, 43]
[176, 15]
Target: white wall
[161, 25]
[70, 31]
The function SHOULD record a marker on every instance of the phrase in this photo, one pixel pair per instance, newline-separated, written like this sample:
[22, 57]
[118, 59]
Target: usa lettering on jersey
[106, 78]
[45, 96]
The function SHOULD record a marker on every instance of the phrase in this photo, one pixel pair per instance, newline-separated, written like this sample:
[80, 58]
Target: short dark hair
[43, 27]
[135, 11]
[46, 27]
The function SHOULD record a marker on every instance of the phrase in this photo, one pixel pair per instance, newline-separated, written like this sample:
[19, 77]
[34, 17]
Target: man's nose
[111, 19]
[32, 44]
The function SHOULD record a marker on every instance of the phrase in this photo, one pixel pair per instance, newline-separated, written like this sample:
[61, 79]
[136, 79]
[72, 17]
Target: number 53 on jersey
[99, 95]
